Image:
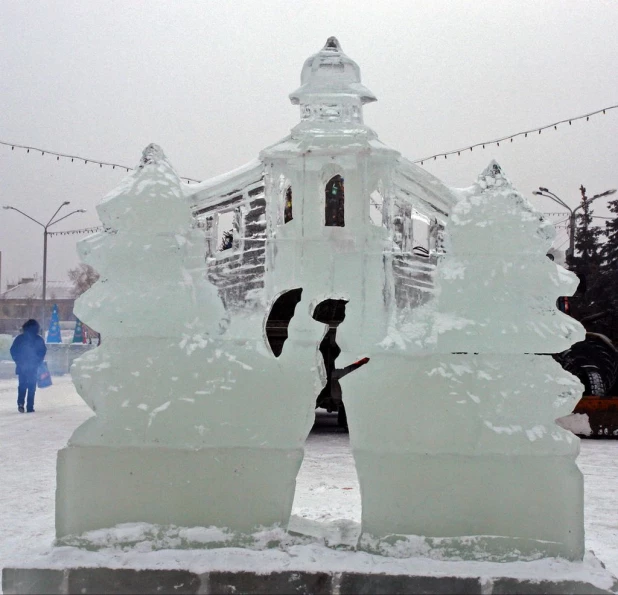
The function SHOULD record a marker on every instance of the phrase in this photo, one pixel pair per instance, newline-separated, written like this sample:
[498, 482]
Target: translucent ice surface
[192, 427]
[214, 325]
[456, 435]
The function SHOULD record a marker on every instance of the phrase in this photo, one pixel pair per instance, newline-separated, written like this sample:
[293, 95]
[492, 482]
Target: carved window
[287, 209]
[334, 209]
[225, 231]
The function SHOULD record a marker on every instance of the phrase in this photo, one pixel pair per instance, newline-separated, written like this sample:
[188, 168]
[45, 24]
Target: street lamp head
[7, 207]
[543, 189]
[81, 211]
[537, 193]
[66, 202]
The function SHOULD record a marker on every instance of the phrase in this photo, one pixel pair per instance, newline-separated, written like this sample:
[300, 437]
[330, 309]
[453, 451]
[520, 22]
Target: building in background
[24, 300]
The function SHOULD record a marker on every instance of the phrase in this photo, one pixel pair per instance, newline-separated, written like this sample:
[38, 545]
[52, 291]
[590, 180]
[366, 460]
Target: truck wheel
[593, 382]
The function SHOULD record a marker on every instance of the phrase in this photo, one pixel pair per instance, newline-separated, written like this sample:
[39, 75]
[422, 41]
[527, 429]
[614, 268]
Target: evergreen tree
[587, 255]
[609, 252]
[592, 302]
[609, 274]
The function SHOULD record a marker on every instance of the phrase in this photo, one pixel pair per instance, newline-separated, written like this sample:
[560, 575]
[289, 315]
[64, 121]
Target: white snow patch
[578, 423]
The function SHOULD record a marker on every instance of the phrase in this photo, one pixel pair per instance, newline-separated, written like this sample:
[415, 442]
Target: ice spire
[493, 175]
[151, 154]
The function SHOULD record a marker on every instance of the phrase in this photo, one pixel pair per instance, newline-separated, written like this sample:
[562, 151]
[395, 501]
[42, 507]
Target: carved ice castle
[329, 205]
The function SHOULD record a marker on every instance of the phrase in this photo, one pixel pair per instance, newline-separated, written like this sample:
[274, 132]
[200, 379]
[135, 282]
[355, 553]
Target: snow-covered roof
[33, 290]
[225, 184]
[419, 184]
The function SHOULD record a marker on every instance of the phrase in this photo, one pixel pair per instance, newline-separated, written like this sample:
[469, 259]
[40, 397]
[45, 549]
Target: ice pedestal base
[235, 488]
[450, 498]
[321, 571]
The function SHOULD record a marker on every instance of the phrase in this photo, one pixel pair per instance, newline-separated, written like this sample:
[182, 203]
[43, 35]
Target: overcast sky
[209, 82]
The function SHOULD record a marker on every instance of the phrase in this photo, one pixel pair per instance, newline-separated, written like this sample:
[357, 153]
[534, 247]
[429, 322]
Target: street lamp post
[572, 217]
[45, 227]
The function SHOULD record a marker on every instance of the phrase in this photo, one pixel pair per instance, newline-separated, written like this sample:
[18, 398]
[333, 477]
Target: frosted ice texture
[192, 427]
[497, 252]
[452, 421]
[455, 437]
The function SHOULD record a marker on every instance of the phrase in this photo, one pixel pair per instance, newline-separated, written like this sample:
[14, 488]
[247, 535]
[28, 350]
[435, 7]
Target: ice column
[455, 439]
[191, 428]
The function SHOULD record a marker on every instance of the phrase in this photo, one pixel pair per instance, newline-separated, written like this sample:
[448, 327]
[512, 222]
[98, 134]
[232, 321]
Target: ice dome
[330, 72]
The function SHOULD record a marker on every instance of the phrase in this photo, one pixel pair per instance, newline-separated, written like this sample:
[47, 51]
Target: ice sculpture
[206, 380]
[192, 428]
[455, 438]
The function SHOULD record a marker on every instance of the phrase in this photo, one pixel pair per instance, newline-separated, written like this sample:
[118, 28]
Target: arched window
[287, 211]
[334, 209]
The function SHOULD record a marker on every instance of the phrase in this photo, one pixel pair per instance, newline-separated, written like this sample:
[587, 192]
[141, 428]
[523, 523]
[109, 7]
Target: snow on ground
[327, 487]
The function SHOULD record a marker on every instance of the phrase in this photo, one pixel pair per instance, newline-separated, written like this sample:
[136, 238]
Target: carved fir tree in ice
[464, 442]
[150, 261]
[188, 427]
[497, 289]
[151, 296]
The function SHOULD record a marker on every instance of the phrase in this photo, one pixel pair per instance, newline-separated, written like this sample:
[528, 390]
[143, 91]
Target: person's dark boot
[30, 411]
[20, 408]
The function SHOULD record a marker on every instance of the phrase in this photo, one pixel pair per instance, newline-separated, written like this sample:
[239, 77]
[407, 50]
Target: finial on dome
[332, 43]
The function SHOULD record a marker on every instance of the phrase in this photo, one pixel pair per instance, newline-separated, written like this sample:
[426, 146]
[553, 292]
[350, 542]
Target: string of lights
[70, 232]
[483, 144]
[510, 137]
[74, 158]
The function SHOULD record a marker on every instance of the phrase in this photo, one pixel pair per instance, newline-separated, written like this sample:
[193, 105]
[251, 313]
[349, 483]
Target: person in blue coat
[28, 351]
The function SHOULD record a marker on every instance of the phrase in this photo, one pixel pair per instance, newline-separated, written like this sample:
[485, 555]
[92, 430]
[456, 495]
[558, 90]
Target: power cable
[86, 160]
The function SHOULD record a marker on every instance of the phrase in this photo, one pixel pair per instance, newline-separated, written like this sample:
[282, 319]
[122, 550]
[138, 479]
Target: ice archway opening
[324, 502]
